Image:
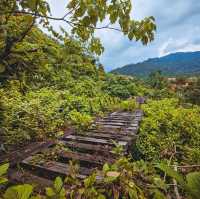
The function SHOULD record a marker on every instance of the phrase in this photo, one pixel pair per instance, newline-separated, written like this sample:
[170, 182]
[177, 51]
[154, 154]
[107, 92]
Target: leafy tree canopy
[19, 17]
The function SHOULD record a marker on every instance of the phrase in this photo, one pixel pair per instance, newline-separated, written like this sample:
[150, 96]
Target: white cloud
[172, 46]
[190, 48]
[162, 49]
[187, 42]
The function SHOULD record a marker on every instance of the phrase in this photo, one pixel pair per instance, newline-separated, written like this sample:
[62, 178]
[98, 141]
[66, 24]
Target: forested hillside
[177, 64]
[54, 92]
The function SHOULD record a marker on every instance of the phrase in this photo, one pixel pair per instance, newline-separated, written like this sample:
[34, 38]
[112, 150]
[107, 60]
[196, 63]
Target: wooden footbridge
[91, 149]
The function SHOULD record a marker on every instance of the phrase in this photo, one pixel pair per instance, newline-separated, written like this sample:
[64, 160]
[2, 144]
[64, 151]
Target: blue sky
[178, 30]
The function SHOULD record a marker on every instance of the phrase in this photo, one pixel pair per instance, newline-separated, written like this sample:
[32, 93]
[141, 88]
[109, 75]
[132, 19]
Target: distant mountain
[176, 64]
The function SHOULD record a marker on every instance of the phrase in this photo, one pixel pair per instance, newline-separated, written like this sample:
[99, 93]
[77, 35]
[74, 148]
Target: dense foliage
[47, 81]
[83, 17]
[123, 179]
[124, 87]
[170, 130]
[61, 83]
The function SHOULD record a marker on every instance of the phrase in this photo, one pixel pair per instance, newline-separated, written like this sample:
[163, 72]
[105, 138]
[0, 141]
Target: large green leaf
[193, 185]
[49, 192]
[3, 169]
[3, 180]
[133, 193]
[172, 173]
[19, 192]
[101, 196]
[106, 168]
[88, 182]
[58, 183]
[158, 195]
[2, 68]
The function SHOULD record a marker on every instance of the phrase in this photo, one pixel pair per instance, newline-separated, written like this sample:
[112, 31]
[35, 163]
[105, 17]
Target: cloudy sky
[178, 30]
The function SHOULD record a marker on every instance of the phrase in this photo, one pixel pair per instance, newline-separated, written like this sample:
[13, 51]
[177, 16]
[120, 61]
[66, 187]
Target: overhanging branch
[65, 20]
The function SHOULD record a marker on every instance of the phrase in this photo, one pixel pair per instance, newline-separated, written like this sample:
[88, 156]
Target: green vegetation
[170, 129]
[46, 81]
[51, 83]
[3, 171]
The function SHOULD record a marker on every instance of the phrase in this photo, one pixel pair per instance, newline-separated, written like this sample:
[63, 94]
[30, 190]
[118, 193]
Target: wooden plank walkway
[91, 149]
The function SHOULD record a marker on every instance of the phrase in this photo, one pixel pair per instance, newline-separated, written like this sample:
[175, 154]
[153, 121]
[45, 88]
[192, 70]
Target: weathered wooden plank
[17, 156]
[110, 123]
[138, 116]
[22, 177]
[134, 125]
[135, 122]
[52, 169]
[115, 131]
[121, 113]
[127, 119]
[118, 117]
[93, 140]
[138, 113]
[111, 127]
[114, 120]
[89, 148]
[137, 119]
[86, 159]
[115, 136]
[132, 128]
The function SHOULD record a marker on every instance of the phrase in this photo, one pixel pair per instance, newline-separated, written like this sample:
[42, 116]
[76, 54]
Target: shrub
[128, 105]
[168, 125]
[33, 116]
[82, 121]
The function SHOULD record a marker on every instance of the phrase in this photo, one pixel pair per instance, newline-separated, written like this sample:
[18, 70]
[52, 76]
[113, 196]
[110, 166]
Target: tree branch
[65, 20]
[68, 13]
